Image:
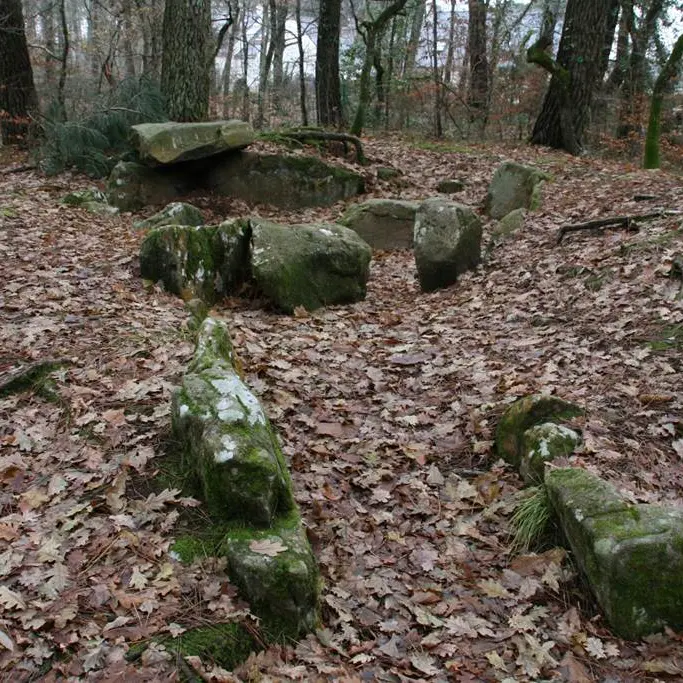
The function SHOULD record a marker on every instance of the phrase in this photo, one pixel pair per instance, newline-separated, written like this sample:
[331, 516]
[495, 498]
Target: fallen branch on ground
[627, 222]
[29, 375]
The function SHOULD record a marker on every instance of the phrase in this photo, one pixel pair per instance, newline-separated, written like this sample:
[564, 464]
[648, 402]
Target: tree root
[627, 222]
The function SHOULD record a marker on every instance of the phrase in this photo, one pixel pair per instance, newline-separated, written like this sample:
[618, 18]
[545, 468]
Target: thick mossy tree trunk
[18, 100]
[667, 74]
[564, 115]
[187, 49]
[327, 83]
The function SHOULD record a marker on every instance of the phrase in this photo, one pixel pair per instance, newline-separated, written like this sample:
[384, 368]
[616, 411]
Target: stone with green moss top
[383, 223]
[276, 571]
[543, 443]
[175, 213]
[514, 186]
[447, 240]
[171, 142]
[203, 261]
[92, 200]
[132, 186]
[632, 555]
[308, 265]
[525, 413]
[509, 224]
[288, 181]
[228, 443]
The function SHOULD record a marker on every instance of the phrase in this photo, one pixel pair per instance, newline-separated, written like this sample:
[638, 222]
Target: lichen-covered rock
[383, 223]
[227, 441]
[514, 186]
[80, 197]
[197, 261]
[387, 173]
[287, 181]
[308, 265]
[450, 186]
[525, 413]
[132, 186]
[175, 213]
[171, 142]
[92, 200]
[277, 573]
[447, 242]
[182, 258]
[543, 443]
[509, 224]
[632, 555]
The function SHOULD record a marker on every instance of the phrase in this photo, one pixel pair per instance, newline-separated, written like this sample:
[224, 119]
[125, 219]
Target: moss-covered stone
[182, 257]
[450, 186]
[226, 438]
[383, 223]
[80, 197]
[204, 261]
[289, 181]
[308, 265]
[543, 443]
[509, 224]
[277, 573]
[132, 186]
[514, 186]
[171, 142]
[447, 242]
[175, 213]
[632, 555]
[525, 413]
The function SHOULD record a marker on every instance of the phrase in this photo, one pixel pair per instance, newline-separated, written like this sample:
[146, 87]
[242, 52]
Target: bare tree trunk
[128, 32]
[327, 80]
[438, 88]
[64, 59]
[479, 69]
[232, 38]
[616, 78]
[278, 40]
[246, 108]
[265, 60]
[48, 24]
[418, 19]
[302, 65]
[551, 11]
[390, 74]
[450, 54]
[18, 100]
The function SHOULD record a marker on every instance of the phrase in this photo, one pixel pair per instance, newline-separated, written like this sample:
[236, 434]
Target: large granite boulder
[447, 242]
[308, 265]
[632, 555]
[232, 461]
[513, 444]
[288, 181]
[133, 186]
[206, 262]
[514, 186]
[171, 142]
[383, 223]
[175, 213]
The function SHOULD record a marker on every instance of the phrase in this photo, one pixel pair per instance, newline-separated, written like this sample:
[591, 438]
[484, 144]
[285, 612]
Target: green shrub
[95, 142]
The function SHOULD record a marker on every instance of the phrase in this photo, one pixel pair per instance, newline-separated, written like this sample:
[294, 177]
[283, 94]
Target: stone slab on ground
[383, 223]
[632, 555]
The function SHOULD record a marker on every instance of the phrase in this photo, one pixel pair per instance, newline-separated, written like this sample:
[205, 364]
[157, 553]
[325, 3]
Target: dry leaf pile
[386, 410]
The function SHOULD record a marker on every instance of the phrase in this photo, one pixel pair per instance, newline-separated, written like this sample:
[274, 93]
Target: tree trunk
[327, 82]
[278, 40]
[302, 64]
[246, 105]
[436, 75]
[612, 20]
[414, 38]
[64, 60]
[551, 11]
[18, 100]
[127, 39]
[668, 73]
[632, 107]
[479, 69]
[564, 115]
[616, 77]
[450, 54]
[265, 60]
[371, 32]
[232, 39]
[185, 73]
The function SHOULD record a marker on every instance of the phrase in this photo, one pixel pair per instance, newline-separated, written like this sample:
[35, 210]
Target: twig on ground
[627, 222]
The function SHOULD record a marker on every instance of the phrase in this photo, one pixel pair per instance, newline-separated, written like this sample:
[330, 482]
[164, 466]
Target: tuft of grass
[670, 338]
[532, 520]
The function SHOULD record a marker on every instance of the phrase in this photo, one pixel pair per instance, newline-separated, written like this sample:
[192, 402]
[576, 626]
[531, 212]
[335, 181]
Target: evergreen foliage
[95, 142]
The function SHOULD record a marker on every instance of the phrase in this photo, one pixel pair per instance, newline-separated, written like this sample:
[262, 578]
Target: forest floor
[386, 410]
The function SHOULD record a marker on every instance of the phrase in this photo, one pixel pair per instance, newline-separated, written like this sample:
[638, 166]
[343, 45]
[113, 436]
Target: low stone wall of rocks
[631, 555]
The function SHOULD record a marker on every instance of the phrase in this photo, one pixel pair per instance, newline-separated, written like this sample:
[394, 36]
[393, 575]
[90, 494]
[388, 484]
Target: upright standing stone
[514, 186]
